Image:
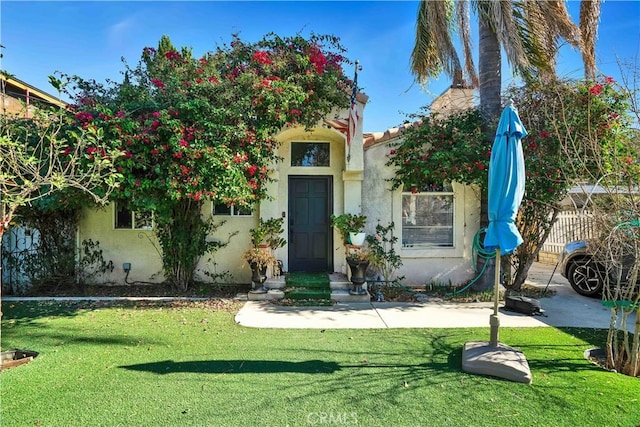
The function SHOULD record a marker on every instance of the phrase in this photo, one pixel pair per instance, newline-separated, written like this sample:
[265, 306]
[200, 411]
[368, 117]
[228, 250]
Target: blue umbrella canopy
[506, 183]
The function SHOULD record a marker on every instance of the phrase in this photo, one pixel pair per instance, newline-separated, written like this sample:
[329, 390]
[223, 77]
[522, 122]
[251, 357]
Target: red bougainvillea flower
[184, 143]
[252, 170]
[545, 134]
[295, 112]
[84, 117]
[262, 58]
[596, 89]
[609, 80]
[158, 83]
[172, 55]
[317, 58]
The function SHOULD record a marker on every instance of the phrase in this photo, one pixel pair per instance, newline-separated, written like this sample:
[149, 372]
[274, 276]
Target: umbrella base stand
[480, 357]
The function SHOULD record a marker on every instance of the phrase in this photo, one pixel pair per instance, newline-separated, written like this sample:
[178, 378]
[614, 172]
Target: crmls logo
[330, 418]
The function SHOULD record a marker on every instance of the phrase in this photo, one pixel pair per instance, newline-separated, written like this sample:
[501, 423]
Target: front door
[310, 237]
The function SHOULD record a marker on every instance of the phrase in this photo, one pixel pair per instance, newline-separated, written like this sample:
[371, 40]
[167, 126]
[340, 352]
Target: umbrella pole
[494, 321]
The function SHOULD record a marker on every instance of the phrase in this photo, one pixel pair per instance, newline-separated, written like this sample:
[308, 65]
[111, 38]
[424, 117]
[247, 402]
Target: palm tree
[530, 32]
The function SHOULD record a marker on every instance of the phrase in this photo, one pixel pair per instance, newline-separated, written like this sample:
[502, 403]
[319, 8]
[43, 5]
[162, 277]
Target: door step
[338, 291]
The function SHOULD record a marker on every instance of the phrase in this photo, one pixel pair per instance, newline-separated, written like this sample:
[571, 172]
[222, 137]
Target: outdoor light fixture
[126, 267]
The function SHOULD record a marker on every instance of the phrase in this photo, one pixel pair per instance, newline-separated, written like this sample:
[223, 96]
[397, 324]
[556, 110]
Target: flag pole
[352, 114]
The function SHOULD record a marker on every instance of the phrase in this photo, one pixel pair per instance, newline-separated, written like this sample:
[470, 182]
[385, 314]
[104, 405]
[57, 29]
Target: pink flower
[262, 58]
[172, 55]
[317, 58]
[609, 80]
[158, 83]
[252, 170]
[84, 117]
[184, 143]
[120, 114]
[156, 114]
[596, 89]
[137, 183]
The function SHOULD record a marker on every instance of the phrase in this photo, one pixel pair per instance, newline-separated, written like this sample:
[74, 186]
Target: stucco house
[319, 175]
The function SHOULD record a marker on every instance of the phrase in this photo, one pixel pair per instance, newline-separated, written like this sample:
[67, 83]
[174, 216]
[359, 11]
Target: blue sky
[89, 38]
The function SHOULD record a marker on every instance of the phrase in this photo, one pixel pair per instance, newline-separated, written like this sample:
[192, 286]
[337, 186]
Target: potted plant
[268, 234]
[259, 260]
[358, 260]
[350, 227]
[265, 238]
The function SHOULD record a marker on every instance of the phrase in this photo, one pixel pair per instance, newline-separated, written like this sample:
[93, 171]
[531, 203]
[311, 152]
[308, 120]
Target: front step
[338, 283]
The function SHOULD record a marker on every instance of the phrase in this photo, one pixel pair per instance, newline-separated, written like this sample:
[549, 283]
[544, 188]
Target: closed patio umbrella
[506, 189]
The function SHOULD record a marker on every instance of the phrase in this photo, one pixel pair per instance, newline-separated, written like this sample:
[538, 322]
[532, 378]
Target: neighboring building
[319, 175]
[20, 98]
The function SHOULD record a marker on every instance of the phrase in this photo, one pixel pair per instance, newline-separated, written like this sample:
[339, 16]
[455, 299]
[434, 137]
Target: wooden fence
[570, 225]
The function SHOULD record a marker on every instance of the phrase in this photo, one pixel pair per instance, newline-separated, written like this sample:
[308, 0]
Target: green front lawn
[191, 365]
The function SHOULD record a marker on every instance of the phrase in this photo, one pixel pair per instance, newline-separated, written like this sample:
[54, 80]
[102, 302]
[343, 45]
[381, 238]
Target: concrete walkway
[565, 308]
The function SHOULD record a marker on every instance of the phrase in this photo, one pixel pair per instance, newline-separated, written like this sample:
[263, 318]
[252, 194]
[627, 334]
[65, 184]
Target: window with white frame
[231, 210]
[127, 219]
[428, 220]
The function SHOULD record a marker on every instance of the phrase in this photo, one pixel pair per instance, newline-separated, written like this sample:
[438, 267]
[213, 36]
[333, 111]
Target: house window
[310, 153]
[427, 220]
[125, 218]
[231, 210]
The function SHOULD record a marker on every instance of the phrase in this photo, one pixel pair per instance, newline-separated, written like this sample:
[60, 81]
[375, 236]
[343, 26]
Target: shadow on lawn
[236, 367]
[448, 360]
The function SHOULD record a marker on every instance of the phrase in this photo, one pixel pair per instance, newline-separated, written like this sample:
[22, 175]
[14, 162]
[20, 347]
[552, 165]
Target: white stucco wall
[120, 245]
[381, 204]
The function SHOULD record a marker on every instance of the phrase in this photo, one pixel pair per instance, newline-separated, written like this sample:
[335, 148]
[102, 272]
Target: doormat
[307, 286]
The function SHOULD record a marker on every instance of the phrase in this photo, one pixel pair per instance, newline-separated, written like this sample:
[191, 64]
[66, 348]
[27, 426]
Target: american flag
[353, 118]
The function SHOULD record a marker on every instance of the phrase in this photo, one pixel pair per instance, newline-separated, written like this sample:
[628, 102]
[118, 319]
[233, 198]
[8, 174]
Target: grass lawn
[190, 365]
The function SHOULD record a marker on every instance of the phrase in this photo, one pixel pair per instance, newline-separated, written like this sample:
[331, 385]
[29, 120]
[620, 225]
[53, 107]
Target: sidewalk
[565, 308]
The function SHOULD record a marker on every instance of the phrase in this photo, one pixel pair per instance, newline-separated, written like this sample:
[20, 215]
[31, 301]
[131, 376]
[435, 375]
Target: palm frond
[589, 17]
[434, 50]
[462, 15]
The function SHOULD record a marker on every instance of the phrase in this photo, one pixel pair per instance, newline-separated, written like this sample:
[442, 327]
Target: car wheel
[585, 278]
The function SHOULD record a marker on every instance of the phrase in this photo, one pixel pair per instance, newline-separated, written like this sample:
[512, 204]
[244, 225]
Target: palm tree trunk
[489, 65]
